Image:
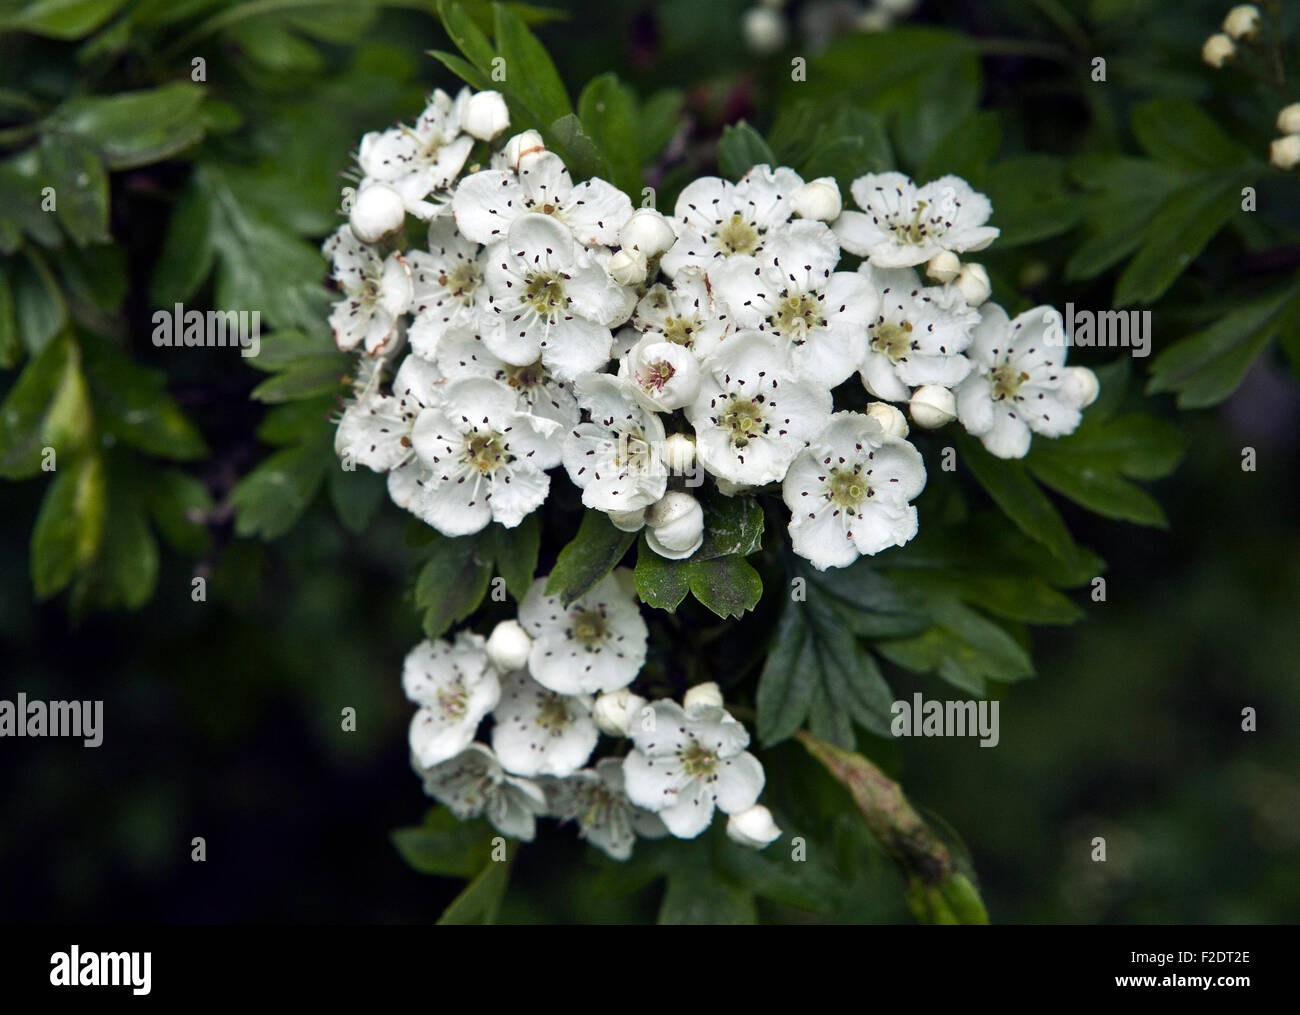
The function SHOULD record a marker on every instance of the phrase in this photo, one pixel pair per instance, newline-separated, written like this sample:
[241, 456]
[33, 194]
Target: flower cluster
[539, 324]
[551, 682]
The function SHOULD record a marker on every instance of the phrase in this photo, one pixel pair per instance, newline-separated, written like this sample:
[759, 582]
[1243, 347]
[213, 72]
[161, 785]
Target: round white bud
[754, 828]
[1288, 119]
[679, 452]
[891, 420]
[764, 30]
[973, 284]
[1218, 49]
[528, 143]
[647, 232]
[1242, 22]
[508, 646]
[932, 406]
[377, 210]
[943, 267]
[1285, 152]
[1080, 386]
[616, 711]
[665, 375]
[628, 521]
[628, 267]
[818, 199]
[729, 489]
[486, 115]
[675, 525]
[707, 694]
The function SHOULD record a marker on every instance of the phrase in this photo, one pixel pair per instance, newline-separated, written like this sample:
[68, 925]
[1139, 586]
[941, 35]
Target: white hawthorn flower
[463, 353]
[1018, 387]
[595, 798]
[474, 783]
[615, 711]
[901, 224]
[377, 210]
[752, 417]
[539, 732]
[376, 428]
[849, 492]
[423, 159]
[818, 315]
[376, 292]
[689, 763]
[447, 287]
[917, 337]
[717, 219]
[932, 406]
[487, 204]
[685, 312]
[663, 375]
[647, 232]
[597, 643]
[485, 115]
[455, 687]
[754, 828]
[552, 300]
[479, 459]
[613, 457]
[508, 646]
[675, 526]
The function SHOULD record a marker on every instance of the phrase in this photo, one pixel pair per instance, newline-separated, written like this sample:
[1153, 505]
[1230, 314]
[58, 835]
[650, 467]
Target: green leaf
[181, 505]
[607, 109]
[1178, 132]
[445, 845]
[463, 69]
[741, 148]
[136, 128]
[699, 896]
[271, 498]
[851, 142]
[789, 677]
[660, 582]
[70, 526]
[515, 552]
[467, 36]
[125, 572]
[579, 152]
[61, 19]
[1205, 368]
[966, 149]
[1101, 492]
[80, 186]
[452, 582]
[481, 899]
[1127, 192]
[593, 553]
[657, 121]
[1012, 489]
[11, 345]
[726, 585]
[49, 406]
[187, 252]
[39, 306]
[1180, 230]
[1031, 200]
[356, 495]
[304, 378]
[530, 72]
[961, 646]
[731, 525]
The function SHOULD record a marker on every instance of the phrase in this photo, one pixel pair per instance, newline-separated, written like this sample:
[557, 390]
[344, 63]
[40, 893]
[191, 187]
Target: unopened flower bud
[1285, 152]
[818, 199]
[679, 453]
[528, 143]
[1080, 386]
[628, 267]
[1288, 119]
[1218, 49]
[377, 210]
[628, 521]
[973, 284]
[754, 828]
[932, 406]
[486, 115]
[675, 525]
[707, 694]
[647, 232]
[1242, 22]
[730, 489]
[764, 30]
[891, 420]
[615, 712]
[666, 375]
[508, 646]
[943, 267]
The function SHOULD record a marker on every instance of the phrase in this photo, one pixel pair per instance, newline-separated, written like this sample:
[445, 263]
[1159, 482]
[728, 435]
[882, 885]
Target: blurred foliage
[195, 149]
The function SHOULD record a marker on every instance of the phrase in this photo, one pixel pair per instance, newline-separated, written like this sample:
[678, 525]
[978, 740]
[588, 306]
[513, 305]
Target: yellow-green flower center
[485, 451]
[915, 231]
[892, 340]
[697, 761]
[524, 378]
[797, 315]
[744, 418]
[553, 714]
[847, 488]
[463, 281]
[679, 330]
[1007, 381]
[588, 627]
[737, 236]
[544, 292]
